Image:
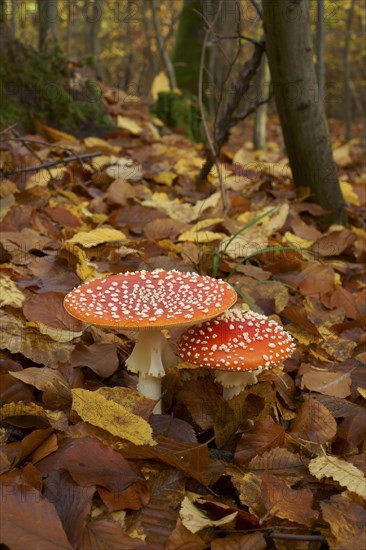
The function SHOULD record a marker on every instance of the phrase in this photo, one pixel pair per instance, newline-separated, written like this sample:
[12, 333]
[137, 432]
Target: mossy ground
[35, 86]
[180, 111]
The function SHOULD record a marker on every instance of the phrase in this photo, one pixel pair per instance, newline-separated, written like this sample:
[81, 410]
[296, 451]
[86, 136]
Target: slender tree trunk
[162, 49]
[304, 126]
[320, 38]
[347, 97]
[48, 22]
[93, 12]
[13, 18]
[260, 118]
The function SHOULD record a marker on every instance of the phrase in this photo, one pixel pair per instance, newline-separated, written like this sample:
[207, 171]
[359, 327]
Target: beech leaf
[345, 473]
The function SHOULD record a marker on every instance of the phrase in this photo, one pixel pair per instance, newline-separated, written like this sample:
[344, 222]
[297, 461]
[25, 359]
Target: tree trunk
[48, 22]
[93, 19]
[260, 119]
[304, 126]
[347, 97]
[188, 45]
[162, 49]
[320, 37]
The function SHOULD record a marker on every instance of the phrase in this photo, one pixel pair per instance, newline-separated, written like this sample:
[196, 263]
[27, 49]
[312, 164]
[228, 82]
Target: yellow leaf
[10, 295]
[349, 194]
[97, 236]
[194, 519]
[201, 236]
[345, 473]
[93, 144]
[342, 155]
[85, 269]
[296, 242]
[160, 84]
[129, 124]
[56, 334]
[99, 162]
[362, 391]
[42, 177]
[111, 416]
[165, 178]
[52, 133]
[22, 409]
[182, 212]
[206, 223]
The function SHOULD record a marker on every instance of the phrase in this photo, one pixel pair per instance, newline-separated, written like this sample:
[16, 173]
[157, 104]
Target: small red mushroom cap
[156, 299]
[236, 341]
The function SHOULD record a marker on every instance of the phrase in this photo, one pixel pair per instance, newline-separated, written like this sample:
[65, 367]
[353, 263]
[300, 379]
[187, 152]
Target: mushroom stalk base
[146, 360]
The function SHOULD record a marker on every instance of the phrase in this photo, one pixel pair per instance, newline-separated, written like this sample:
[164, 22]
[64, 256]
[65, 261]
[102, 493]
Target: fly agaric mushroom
[147, 302]
[238, 345]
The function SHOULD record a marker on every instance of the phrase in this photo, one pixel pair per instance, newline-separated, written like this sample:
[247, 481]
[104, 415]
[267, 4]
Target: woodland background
[124, 147]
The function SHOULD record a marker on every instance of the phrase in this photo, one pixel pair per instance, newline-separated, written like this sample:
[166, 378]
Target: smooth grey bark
[260, 117]
[304, 126]
[347, 94]
[320, 41]
[48, 22]
[93, 20]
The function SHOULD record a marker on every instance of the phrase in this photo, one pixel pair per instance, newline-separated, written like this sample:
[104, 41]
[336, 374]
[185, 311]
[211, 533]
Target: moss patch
[39, 89]
[180, 111]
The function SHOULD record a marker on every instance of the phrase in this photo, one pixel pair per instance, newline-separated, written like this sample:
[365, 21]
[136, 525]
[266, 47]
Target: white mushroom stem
[146, 360]
[234, 382]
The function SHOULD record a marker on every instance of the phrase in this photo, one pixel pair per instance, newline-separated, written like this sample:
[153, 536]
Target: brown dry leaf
[10, 295]
[314, 423]
[100, 358]
[167, 491]
[184, 539]
[264, 434]
[48, 308]
[194, 520]
[336, 384]
[85, 269]
[89, 462]
[72, 502]
[281, 501]
[337, 240]
[347, 521]
[101, 534]
[254, 541]
[345, 473]
[280, 462]
[30, 521]
[102, 235]
[111, 416]
[40, 377]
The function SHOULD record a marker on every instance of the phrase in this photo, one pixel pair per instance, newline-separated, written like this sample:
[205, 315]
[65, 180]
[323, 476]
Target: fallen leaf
[111, 416]
[10, 295]
[264, 434]
[102, 534]
[336, 384]
[345, 473]
[93, 144]
[30, 521]
[281, 501]
[48, 309]
[160, 84]
[100, 358]
[194, 520]
[347, 521]
[129, 124]
[88, 239]
[314, 423]
[254, 541]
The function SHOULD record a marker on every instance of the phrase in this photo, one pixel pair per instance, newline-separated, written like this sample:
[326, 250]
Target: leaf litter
[84, 464]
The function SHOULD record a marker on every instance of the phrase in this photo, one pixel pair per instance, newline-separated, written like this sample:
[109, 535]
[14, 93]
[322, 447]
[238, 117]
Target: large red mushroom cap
[156, 299]
[238, 345]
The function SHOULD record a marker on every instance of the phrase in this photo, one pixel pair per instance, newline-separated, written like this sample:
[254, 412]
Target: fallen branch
[50, 164]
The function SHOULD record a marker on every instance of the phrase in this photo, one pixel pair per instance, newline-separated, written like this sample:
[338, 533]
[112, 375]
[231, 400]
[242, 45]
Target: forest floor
[282, 465]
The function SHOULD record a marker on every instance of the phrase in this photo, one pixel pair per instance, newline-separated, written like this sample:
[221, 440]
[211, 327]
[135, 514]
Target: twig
[285, 536]
[227, 120]
[50, 164]
[24, 142]
[251, 110]
[202, 111]
[219, 37]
